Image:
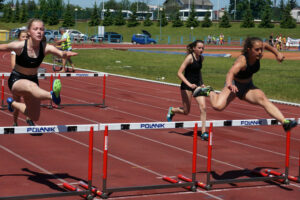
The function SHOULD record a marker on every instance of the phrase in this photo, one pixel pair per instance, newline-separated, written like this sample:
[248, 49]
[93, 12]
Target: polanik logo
[41, 130]
[251, 123]
[152, 126]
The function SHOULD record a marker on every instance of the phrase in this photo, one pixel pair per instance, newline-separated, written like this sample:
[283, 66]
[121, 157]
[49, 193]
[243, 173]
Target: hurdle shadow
[235, 174]
[45, 179]
[189, 133]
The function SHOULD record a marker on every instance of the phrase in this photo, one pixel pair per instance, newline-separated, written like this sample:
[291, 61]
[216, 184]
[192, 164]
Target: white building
[296, 14]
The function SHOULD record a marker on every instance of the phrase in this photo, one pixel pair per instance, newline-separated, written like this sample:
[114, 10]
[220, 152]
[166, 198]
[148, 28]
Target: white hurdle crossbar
[136, 126]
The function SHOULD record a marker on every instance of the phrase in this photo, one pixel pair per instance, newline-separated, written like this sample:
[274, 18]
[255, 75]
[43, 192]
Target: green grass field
[278, 81]
[235, 32]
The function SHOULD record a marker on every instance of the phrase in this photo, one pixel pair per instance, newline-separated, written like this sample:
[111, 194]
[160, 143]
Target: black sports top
[192, 72]
[249, 71]
[25, 61]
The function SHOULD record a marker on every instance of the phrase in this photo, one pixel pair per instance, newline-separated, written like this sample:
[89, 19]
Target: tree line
[52, 11]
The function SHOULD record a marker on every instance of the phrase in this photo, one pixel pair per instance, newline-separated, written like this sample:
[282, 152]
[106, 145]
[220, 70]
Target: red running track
[41, 164]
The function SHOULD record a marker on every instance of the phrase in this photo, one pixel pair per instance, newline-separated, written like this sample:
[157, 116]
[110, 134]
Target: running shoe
[202, 91]
[289, 124]
[170, 115]
[9, 102]
[204, 136]
[30, 122]
[55, 93]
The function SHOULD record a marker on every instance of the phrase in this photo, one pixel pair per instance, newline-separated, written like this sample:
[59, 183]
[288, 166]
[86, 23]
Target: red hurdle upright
[2, 92]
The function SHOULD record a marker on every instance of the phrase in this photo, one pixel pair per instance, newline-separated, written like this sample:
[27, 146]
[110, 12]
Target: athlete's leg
[16, 111]
[258, 97]
[26, 88]
[202, 106]
[186, 97]
[221, 101]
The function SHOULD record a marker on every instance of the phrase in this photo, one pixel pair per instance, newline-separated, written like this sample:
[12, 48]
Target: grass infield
[278, 80]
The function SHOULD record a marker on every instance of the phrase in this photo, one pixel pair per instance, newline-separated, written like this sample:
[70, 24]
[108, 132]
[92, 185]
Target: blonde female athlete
[191, 79]
[239, 82]
[23, 81]
[22, 35]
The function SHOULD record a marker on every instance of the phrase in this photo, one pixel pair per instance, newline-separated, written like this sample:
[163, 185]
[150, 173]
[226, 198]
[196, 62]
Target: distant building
[186, 4]
[296, 14]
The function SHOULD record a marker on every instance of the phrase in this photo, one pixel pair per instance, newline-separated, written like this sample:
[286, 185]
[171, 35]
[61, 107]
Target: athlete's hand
[280, 57]
[193, 86]
[233, 88]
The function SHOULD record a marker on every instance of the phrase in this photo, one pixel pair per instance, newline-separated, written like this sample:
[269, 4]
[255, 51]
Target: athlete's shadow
[245, 173]
[45, 179]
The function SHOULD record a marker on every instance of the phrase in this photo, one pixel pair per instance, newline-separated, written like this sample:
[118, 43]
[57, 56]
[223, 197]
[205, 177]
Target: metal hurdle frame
[147, 125]
[58, 75]
[265, 176]
[193, 183]
[88, 192]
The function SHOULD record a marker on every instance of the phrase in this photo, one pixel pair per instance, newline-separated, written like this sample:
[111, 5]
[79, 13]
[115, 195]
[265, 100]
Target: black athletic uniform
[25, 61]
[193, 74]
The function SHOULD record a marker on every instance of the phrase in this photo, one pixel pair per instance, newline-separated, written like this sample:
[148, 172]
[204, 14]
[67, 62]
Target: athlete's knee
[218, 107]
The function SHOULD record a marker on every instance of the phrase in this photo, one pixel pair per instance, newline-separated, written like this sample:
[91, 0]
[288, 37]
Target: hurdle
[264, 176]
[186, 124]
[74, 191]
[59, 75]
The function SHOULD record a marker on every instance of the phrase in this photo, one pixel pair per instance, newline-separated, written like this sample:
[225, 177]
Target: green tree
[125, 4]
[207, 21]
[248, 21]
[54, 9]
[266, 18]
[44, 10]
[16, 15]
[293, 4]
[24, 13]
[177, 22]
[132, 22]
[163, 19]
[147, 21]
[224, 23]
[119, 19]
[7, 13]
[108, 18]
[111, 4]
[287, 20]
[68, 16]
[192, 21]
[95, 17]
[1, 4]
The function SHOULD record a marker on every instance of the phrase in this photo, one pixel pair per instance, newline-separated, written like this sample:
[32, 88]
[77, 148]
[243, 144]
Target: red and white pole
[90, 165]
[194, 152]
[105, 153]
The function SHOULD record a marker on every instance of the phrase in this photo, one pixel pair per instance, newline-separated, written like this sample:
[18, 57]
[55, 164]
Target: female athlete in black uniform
[239, 82]
[23, 81]
[191, 79]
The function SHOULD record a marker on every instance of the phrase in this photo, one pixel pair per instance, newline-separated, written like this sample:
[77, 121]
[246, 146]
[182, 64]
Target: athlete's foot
[202, 91]
[55, 93]
[289, 124]
[62, 71]
[9, 102]
[170, 115]
[30, 122]
[204, 136]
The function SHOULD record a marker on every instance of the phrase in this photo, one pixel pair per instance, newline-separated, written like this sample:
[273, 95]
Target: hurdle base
[46, 195]
[109, 191]
[243, 180]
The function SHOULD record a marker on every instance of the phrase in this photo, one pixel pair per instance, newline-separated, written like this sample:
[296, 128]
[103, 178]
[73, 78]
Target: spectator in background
[65, 43]
[271, 43]
[221, 39]
[209, 39]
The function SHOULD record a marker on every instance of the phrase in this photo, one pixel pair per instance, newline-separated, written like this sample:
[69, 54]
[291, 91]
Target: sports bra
[25, 61]
[249, 71]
